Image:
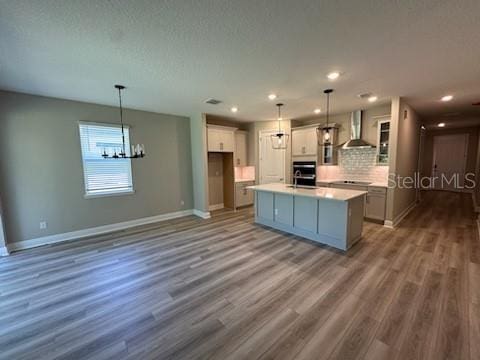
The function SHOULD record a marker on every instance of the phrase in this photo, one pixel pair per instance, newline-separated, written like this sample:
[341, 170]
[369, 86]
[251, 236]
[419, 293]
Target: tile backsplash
[244, 173]
[354, 164]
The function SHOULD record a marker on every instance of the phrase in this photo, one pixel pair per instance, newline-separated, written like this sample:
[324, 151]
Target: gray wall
[41, 176]
[404, 149]
[198, 136]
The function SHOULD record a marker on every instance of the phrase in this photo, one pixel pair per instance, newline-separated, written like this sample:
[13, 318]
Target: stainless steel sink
[352, 182]
[301, 187]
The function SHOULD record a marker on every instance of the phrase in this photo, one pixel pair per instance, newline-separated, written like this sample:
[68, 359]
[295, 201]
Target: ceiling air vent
[212, 101]
[364, 95]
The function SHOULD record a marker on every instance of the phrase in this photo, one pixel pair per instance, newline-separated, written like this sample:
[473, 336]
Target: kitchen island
[326, 215]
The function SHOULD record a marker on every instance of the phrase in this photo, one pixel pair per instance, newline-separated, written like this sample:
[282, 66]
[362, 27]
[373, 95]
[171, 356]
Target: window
[105, 176]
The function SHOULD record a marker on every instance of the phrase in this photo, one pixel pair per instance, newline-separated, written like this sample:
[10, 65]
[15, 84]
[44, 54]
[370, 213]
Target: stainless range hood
[355, 141]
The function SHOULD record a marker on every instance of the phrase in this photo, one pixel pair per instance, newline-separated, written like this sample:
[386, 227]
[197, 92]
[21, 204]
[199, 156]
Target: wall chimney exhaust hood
[355, 141]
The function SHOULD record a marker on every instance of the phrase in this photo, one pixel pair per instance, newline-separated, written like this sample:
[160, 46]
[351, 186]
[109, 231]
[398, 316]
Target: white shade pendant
[280, 138]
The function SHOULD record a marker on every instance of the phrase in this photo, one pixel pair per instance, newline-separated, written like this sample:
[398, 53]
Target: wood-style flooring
[226, 288]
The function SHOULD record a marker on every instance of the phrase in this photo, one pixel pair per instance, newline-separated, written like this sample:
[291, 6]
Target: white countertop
[319, 192]
[329, 181]
[243, 180]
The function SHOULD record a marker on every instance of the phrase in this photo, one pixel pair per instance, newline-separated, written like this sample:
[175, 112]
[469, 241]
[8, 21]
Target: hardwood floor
[226, 288]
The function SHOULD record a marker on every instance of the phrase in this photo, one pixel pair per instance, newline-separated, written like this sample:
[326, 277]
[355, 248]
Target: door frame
[465, 153]
[262, 133]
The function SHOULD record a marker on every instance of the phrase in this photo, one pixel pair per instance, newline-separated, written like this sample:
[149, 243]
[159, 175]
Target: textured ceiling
[173, 55]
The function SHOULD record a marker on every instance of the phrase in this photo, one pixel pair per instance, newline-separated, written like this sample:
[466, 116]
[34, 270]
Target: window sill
[108, 194]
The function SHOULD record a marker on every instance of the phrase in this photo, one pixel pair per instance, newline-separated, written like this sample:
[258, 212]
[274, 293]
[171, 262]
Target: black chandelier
[138, 150]
[280, 138]
[325, 129]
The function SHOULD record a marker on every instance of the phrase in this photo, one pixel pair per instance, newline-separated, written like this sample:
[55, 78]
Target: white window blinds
[105, 176]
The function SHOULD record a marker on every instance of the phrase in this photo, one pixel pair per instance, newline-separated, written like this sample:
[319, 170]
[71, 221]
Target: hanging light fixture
[324, 131]
[280, 139]
[138, 150]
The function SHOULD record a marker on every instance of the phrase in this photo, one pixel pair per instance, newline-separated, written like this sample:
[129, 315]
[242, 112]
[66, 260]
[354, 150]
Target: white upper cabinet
[220, 139]
[240, 148]
[304, 142]
[383, 137]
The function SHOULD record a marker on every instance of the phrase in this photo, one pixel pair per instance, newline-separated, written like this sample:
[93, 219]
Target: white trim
[393, 224]
[106, 124]
[101, 194]
[478, 227]
[78, 234]
[476, 207]
[202, 214]
[216, 207]
[4, 251]
[221, 127]
[388, 224]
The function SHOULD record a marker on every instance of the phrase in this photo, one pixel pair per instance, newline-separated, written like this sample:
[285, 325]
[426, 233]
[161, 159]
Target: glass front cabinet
[383, 141]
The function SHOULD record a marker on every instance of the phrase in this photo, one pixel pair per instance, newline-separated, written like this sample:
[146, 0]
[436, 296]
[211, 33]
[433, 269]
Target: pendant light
[138, 150]
[324, 131]
[280, 139]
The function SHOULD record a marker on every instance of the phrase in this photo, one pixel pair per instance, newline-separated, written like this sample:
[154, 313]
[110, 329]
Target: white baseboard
[78, 234]
[202, 214]
[4, 251]
[393, 224]
[216, 207]
[388, 224]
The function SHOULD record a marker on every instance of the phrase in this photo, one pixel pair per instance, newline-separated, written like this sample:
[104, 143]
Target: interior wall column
[198, 137]
[3, 238]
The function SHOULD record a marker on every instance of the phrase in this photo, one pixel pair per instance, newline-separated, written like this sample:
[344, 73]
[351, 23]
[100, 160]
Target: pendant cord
[121, 119]
[278, 118]
[328, 108]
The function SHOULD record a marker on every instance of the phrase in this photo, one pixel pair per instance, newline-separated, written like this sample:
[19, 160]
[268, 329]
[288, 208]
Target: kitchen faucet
[297, 174]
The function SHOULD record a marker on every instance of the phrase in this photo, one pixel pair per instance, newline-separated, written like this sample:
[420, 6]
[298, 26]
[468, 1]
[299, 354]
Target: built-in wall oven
[305, 172]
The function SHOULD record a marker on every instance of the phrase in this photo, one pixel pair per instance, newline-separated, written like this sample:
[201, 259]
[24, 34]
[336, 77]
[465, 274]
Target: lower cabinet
[243, 196]
[376, 203]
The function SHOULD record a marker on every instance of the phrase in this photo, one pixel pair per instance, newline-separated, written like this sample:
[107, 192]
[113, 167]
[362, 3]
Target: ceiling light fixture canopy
[137, 151]
[280, 139]
[324, 131]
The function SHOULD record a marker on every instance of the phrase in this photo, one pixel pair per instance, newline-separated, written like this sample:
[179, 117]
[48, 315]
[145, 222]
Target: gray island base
[326, 215]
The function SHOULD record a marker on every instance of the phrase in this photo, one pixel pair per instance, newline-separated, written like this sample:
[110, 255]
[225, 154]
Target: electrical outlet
[182, 202]
[43, 225]
[276, 211]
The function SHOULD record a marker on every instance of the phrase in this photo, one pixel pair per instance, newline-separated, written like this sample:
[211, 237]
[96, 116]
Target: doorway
[271, 161]
[449, 160]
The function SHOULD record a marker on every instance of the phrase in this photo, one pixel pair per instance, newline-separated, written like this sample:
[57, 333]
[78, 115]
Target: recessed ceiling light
[447, 98]
[423, 127]
[272, 97]
[317, 111]
[441, 125]
[234, 109]
[372, 98]
[333, 75]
